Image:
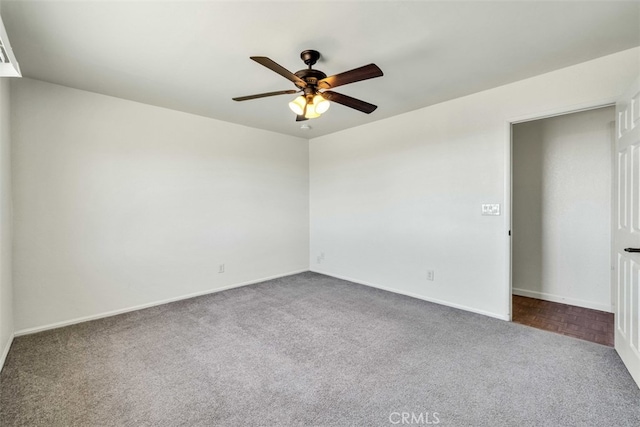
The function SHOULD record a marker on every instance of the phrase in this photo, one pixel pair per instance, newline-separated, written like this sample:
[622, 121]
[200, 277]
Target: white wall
[562, 174]
[119, 204]
[6, 286]
[394, 198]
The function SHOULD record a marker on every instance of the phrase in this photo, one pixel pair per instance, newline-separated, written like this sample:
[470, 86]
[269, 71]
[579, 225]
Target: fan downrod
[310, 56]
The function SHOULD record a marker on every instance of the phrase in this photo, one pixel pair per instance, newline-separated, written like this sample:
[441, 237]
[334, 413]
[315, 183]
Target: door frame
[508, 181]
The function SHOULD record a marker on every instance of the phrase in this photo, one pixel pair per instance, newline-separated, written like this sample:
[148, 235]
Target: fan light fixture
[310, 110]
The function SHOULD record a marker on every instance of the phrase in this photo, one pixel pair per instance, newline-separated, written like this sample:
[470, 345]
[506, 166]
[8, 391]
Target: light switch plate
[490, 209]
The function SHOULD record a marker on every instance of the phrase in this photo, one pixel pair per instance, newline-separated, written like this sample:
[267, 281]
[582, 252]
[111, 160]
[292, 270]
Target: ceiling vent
[8, 63]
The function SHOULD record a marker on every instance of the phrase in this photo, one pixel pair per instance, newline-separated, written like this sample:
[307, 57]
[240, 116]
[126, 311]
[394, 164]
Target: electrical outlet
[320, 258]
[430, 275]
[221, 268]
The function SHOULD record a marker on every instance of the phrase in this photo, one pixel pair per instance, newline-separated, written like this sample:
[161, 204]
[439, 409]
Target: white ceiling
[194, 56]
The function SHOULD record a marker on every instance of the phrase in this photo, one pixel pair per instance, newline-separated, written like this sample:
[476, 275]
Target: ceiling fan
[315, 85]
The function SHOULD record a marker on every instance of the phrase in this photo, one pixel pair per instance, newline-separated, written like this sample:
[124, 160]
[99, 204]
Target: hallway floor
[578, 322]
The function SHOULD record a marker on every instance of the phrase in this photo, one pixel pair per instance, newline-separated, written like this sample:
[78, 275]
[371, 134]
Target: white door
[627, 231]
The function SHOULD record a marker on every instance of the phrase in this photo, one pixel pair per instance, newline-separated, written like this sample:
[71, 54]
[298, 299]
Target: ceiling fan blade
[264, 95]
[302, 117]
[348, 101]
[263, 60]
[363, 73]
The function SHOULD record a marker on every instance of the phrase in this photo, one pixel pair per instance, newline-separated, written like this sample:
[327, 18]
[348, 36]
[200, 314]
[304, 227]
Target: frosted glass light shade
[311, 112]
[321, 105]
[297, 105]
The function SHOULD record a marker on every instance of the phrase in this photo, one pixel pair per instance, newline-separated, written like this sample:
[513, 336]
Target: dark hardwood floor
[578, 322]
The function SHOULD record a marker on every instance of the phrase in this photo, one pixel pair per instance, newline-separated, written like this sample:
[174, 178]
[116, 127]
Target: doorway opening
[561, 228]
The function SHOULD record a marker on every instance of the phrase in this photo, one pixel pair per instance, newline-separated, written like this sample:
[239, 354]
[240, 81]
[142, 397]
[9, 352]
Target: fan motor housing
[311, 76]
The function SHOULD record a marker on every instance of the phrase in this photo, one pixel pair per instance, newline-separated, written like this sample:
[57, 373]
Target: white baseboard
[5, 351]
[556, 298]
[147, 305]
[412, 295]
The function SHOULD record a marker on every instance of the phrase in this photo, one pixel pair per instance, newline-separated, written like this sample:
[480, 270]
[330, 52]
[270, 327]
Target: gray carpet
[310, 350]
